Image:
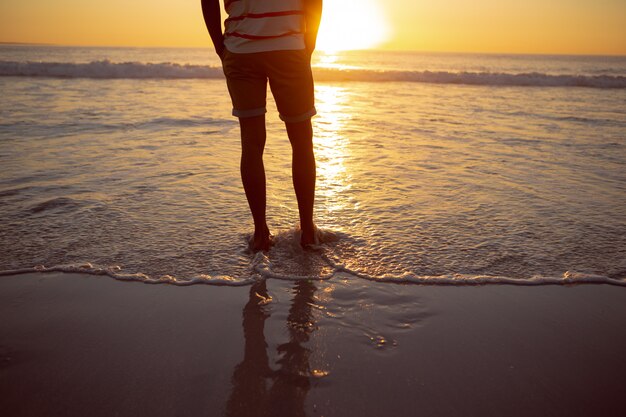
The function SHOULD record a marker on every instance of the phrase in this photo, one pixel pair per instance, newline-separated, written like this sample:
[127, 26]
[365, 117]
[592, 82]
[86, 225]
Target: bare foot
[309, 236]
[262, 240]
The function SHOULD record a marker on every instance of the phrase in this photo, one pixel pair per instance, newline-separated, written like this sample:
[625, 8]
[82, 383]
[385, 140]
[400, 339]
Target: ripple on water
[57, 204]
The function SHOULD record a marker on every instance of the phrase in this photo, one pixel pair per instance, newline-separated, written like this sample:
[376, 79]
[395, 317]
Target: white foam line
[137, 277]
[461, 279]
[568, 278]
[261, 266]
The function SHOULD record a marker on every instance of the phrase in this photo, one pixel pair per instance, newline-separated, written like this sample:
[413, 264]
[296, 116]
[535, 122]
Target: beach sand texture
[76, 345]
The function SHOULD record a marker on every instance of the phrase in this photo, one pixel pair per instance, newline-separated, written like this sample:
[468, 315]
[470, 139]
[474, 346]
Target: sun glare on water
[351, 24]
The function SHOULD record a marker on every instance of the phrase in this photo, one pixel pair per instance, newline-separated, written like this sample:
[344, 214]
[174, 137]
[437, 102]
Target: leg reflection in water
[249, 393]
[257, 389]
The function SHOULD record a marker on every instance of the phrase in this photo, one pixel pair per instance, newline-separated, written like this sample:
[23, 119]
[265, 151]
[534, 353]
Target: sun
[351, 24]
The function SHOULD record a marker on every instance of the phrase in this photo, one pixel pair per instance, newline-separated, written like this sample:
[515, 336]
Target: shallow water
[422, 182]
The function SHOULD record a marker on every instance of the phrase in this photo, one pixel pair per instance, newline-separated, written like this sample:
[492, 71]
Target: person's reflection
[257, 389]
[249, 393]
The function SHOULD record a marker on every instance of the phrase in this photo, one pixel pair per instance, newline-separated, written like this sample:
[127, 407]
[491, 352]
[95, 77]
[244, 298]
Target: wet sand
[80, 345]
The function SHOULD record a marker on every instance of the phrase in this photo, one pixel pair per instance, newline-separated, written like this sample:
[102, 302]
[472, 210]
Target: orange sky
[530, 26]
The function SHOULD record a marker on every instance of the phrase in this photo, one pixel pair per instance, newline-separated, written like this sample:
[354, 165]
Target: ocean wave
[63, 203]
[109, 70]
[135, 70]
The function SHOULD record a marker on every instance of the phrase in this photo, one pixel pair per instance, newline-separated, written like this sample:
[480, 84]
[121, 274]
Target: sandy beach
[76, 345]
[289, 208]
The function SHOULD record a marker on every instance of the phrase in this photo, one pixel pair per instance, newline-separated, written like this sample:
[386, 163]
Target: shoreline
[263, 271]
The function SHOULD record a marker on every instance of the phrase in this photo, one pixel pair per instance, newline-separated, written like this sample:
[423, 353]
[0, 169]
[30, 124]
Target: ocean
[433, 168]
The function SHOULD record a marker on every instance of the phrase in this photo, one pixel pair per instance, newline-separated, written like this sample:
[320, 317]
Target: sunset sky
[530, 26]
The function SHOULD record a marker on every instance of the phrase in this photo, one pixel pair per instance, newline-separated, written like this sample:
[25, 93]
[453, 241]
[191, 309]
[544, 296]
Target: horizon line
[17, 43]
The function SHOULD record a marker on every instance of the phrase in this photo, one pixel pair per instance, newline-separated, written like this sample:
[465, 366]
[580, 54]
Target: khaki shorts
[290, 79]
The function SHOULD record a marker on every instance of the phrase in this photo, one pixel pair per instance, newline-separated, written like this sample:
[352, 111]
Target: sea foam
[261, 268]
[106, 69]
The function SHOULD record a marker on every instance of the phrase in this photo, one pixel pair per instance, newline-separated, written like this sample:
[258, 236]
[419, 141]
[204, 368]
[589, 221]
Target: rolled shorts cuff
[242, 114]
[299, 118]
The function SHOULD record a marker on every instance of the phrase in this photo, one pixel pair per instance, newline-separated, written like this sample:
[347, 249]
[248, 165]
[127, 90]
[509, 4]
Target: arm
[213, 21]
[312, 17]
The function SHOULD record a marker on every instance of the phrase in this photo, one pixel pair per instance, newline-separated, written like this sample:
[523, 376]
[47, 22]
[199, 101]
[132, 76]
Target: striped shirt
[264, 25]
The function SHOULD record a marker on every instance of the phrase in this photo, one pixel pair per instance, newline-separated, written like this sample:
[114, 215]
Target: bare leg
[253, 177]
[303, 172]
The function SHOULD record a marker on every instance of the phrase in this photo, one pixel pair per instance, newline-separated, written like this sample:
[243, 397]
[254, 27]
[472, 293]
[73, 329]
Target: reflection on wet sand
[258, 390]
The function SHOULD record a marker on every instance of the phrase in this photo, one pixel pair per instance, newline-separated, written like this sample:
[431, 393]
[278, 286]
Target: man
[270, 40]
